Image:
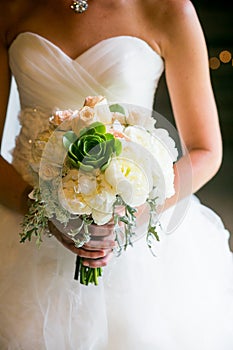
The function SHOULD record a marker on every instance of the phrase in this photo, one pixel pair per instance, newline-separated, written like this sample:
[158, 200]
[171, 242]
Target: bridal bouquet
[89, 163]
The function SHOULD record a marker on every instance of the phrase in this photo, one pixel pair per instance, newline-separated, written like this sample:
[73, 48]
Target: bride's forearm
[193, 171]
[13, 189]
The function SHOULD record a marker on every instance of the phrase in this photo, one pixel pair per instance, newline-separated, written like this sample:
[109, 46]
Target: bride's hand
[97, 252]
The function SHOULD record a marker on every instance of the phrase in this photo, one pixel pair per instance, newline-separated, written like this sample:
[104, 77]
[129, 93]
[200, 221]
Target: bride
[183, 299]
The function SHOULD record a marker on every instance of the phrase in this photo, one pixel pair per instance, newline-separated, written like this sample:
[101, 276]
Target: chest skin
[75, 33]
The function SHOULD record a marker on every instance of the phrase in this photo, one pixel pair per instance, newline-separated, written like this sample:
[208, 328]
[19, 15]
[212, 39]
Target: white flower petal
[69, 196]
[87, 183]
[101, 218]
[103, 113]
[129, 180]
[140, 116]
[163, 151]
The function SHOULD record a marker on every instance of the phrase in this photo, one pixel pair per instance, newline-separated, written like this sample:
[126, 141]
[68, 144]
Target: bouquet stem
[86, 274]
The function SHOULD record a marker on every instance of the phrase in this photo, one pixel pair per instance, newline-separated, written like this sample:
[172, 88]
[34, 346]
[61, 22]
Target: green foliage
[35, 222]
[117, 108]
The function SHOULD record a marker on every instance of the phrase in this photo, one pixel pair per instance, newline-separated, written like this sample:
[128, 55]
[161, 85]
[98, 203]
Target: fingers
[91, 258]
[95, 253]
[101, 231]
[100, 245]
[91, 254]
[82, 252]
[100, 262]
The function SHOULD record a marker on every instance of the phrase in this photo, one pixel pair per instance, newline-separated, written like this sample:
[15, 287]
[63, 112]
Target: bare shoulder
[172, 22]
[170, 19]
[178, 14]
[11, 12]
[174, 10]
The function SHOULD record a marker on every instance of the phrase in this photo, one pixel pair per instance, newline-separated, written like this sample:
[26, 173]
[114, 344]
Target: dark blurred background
[216, 18]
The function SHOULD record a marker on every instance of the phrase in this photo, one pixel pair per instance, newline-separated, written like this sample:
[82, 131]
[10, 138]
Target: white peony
[129, 180]
[140, 156]
[101, 218]
[164, 137]
[163, 152]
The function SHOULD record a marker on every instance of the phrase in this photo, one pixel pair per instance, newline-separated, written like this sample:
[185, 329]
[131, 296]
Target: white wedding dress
[180, 300]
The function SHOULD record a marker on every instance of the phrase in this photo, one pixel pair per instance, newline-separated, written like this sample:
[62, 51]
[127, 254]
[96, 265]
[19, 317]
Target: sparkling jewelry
[79, 6]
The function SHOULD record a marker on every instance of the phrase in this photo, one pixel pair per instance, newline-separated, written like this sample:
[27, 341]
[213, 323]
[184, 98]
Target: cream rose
[62, 119]
[91, 101]
[100, 200]
[95, 109]
[83, 118]
[140, 116]
[48, 172]
[70, 197]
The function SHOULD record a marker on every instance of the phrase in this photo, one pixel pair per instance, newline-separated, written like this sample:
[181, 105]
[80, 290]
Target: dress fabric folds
[182, 299]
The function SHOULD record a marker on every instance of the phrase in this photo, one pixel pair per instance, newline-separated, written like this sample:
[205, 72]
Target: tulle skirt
[182, 299]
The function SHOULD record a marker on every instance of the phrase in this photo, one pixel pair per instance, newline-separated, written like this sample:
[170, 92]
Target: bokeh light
[214, 63]
[225, 56]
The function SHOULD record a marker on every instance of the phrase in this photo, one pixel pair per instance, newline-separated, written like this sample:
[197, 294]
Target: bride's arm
[188, 79]
[13, 190]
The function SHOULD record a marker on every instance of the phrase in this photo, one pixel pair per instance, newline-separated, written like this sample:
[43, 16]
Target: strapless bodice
[122, 68]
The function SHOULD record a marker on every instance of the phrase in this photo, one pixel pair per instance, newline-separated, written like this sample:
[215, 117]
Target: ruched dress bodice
[122, 68]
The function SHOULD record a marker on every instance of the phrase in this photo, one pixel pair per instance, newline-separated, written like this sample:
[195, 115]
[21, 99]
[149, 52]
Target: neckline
[99, 43]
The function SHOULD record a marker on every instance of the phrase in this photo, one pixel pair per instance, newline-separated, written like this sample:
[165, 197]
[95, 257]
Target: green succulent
[93, 149]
